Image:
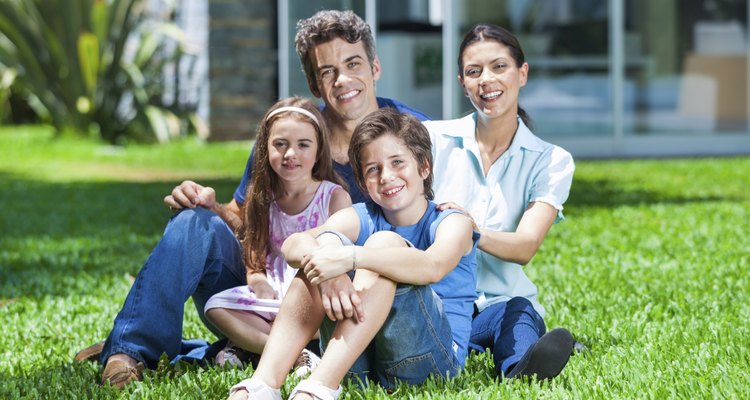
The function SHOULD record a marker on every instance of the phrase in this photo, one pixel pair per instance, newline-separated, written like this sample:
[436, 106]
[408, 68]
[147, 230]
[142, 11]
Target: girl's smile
[292, 149]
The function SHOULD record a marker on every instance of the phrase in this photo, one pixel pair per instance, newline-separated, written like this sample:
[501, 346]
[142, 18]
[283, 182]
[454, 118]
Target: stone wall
[242, 65]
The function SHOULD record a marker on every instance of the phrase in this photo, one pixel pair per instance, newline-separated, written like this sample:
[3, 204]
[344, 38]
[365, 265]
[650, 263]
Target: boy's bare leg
[244, 329]
[298, 320]
[351, 338]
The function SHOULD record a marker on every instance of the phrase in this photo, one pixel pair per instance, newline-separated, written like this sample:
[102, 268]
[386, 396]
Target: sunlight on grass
[649, 270]
[33, 152]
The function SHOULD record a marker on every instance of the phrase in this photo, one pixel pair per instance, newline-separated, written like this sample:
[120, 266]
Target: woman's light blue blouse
[530, 170]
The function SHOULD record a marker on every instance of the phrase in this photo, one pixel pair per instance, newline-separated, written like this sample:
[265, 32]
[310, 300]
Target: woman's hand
[451, 205]
[326, 262]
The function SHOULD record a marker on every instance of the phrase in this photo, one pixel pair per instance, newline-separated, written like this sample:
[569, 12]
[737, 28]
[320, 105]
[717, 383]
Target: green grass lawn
[649, 270]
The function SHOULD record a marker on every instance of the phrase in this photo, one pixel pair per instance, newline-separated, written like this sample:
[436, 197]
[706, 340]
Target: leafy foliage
[92, 66]
[649, 270]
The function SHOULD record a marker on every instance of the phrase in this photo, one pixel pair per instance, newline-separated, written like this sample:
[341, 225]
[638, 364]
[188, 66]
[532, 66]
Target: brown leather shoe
[119, 371]
[90, 353]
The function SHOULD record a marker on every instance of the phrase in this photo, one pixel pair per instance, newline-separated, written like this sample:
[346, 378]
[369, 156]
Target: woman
[513, 184]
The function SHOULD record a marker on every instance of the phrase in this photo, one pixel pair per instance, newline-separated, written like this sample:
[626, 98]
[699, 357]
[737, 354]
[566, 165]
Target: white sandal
[256, 389]
[316, 389]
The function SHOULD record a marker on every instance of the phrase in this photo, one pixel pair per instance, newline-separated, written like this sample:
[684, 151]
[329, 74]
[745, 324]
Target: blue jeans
[508, 329]
[414, 342]
[198, 256]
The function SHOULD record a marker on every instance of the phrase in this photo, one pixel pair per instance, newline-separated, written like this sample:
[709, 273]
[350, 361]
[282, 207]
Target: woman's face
[491, 79]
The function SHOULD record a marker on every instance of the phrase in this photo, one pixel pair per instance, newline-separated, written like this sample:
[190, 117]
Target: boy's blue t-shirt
[456, 289]
[345, 171]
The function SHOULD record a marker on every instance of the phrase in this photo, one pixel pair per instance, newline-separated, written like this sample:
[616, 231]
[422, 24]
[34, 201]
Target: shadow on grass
[611, 194]
[39, 208]
[59, 238]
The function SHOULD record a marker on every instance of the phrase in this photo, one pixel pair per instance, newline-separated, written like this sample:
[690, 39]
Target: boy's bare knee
[385, 239]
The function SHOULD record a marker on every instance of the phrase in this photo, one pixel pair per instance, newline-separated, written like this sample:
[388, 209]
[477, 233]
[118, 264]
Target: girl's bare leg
[245, 329]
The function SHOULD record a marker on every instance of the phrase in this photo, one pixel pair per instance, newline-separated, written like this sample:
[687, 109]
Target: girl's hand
[326, 262]
[263, 290]
[258, 284]
[451, 205]
[340, 299]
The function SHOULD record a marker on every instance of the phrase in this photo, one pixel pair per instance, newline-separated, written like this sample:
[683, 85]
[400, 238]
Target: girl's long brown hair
[265, 184]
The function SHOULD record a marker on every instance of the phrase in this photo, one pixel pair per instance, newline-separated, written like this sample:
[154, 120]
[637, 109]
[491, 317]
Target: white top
[530, 170]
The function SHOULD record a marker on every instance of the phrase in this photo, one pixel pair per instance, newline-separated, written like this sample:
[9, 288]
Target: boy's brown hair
[388, 121]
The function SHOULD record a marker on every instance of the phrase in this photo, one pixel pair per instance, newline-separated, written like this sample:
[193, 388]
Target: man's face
[345, 79]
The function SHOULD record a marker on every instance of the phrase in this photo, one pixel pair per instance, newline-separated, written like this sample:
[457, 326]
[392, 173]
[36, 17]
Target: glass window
[568, 93]
[409, 45]
[692, 74]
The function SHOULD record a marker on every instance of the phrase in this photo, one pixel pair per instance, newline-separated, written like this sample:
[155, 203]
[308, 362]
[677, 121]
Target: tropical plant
[93, 66]
[7, 77]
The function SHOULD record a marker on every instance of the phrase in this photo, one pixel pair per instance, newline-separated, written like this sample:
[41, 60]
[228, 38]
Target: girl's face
[292, 149]
[394, 179]
[491, 79]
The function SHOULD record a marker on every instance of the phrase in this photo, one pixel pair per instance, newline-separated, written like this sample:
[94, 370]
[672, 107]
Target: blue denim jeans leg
[414, 342]
[197, 256]
[508, 329]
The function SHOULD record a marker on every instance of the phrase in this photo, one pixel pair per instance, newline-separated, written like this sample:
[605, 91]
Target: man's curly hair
[325, 26]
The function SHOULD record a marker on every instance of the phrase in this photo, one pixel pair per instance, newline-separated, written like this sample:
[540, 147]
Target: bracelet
[354, 258]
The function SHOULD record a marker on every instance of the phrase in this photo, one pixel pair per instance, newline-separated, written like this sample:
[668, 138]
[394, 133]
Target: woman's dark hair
[485, 32]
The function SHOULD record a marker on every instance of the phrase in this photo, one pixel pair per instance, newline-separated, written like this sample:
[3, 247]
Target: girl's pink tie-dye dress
[278, 273]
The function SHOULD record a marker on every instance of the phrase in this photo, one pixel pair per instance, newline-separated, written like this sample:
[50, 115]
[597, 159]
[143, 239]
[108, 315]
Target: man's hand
[340, 299]
[189, 194]
[326, 262]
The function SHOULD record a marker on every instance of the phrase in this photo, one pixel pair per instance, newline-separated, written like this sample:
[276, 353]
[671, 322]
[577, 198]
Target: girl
[407, 312]
[514, 185]
[292, 190]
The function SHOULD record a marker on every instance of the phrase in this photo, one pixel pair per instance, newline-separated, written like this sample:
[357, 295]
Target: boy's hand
[327, 262]
[340, 299]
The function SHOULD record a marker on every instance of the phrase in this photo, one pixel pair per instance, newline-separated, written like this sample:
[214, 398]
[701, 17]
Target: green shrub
[94, 67]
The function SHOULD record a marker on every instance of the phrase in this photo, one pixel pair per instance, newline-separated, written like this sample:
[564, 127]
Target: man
[199, 254]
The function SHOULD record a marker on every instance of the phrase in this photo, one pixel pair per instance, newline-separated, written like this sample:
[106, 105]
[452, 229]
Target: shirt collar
[523, 139]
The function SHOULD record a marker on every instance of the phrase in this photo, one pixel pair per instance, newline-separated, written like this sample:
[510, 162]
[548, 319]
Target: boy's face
[344, 79]
[394, 179]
